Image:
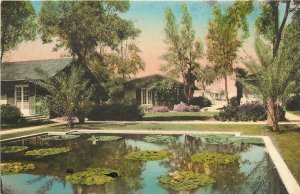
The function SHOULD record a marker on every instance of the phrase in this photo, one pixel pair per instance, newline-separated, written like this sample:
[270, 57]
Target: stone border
[285, 174]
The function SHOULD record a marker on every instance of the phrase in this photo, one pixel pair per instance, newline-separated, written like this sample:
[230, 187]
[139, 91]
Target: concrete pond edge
[285, 174]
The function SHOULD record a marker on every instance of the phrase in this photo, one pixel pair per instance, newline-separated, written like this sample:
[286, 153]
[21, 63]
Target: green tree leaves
[183, 50]
[17, 24]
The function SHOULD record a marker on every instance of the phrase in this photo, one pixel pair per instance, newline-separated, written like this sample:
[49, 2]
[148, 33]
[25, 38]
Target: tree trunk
[70, 122]
[272, 114]
[81, 118]
[226, 89]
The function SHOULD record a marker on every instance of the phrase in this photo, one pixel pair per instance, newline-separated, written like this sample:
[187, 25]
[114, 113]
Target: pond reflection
[253, 173]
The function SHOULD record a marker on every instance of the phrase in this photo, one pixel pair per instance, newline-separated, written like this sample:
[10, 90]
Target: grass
[288, 144]
[176, 116]
[287, 141]
[5, 127]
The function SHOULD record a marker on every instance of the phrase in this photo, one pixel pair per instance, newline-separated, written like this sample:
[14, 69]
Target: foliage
[167, 91]
[42, 105]
[11, 114]
[275, 78]
[70, 92]
[233, 101]
[200, 101]
[60, 137]
[159, 109]
[224, 40]
[147, 155]
[214, 158]
[182, 107]
[81, 26]
[185, 180]
[92, 176]
[104, 138]
[160, 139]
[183, 50]
[229, 139]
[294, 103]
[16, 167]
[117, 110]
[47, 151]
[12, 149]
[95, 34]
[247, 112]
[17, 24]
[271, 24]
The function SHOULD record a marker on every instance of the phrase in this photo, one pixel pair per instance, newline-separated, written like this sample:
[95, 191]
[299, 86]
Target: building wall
[8, 93]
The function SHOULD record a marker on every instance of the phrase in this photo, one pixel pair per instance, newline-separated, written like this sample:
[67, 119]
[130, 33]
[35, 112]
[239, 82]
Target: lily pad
[185, 181]
[160, 139]
[16, 167]
[214, 158]
[229, 139]
[104, 138]
[47, 151]
[12, 149]
[92, 176]
[60, 137]
[147, 155]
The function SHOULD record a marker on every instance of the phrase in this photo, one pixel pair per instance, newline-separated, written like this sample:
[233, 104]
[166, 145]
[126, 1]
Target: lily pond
[144, 164]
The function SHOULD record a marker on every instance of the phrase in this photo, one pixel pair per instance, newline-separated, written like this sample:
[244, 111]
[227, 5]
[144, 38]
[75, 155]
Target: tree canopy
[226, 32]
[82, 26]
[17, 24]
[183, 51]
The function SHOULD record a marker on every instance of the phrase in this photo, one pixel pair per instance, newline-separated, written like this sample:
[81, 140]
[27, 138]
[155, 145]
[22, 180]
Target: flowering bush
[182, 107]
[255, 111]
[159, 109]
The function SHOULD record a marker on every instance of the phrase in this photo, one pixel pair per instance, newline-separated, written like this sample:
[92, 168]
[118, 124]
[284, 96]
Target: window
[146, 96]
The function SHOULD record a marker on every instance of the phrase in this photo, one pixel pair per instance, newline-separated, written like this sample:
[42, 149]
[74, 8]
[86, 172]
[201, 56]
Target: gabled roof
[146, 80]
[24, 70]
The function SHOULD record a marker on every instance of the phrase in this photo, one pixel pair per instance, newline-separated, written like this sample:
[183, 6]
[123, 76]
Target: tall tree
[183, 50]
[17, 24]
[269, 26]
[224, 39]
[96, 36]
[83, 26]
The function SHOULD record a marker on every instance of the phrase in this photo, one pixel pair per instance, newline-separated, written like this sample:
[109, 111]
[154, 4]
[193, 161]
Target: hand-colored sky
[148, 16]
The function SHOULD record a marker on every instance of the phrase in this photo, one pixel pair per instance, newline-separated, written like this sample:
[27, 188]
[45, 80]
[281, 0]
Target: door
[22, 98]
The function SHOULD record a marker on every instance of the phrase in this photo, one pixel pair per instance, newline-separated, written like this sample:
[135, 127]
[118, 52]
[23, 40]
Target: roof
[24, 70]
[146, 80]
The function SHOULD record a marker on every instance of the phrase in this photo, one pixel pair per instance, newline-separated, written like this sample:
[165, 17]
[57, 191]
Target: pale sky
[148, 16]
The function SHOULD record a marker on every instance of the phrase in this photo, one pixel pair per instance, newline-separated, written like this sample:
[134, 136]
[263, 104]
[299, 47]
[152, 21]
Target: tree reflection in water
[261, 178]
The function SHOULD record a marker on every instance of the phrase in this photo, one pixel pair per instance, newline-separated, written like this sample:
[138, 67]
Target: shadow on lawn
[178, 118]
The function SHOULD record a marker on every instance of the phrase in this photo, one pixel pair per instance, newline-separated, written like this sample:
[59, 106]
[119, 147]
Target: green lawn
[287, 141]
[172, 116]
[297, 112]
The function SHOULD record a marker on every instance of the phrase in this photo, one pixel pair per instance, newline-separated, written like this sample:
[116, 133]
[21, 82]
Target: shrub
[200, 101]
[294, 103]
[247, 112]
[11, 114]
[182, 107]
[117, 110]
[159, 109]
[233, 101]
